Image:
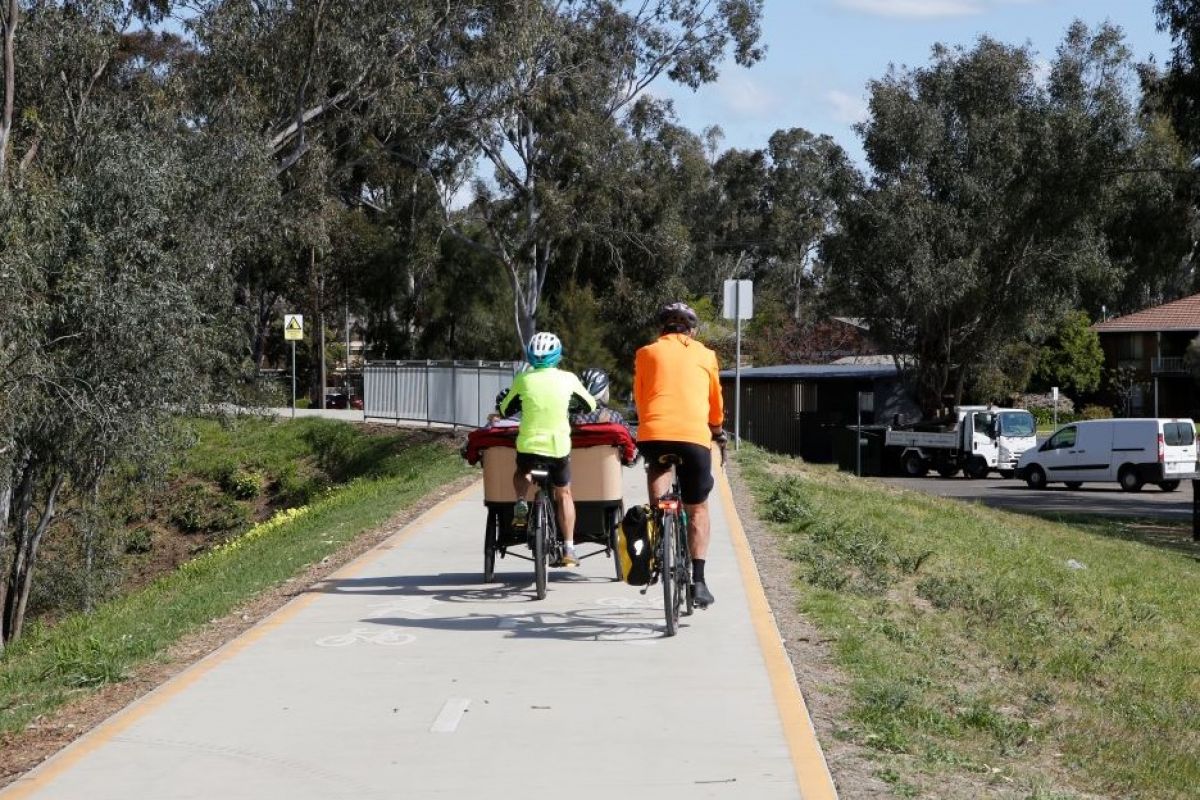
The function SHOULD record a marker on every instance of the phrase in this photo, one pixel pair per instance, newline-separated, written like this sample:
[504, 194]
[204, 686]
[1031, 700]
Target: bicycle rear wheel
[490, 537]
[667, 574]
[541, 540]
[683, 561]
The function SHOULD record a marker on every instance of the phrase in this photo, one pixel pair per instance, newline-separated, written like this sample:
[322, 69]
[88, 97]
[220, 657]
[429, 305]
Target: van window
[1179, 434]
[1064, 438]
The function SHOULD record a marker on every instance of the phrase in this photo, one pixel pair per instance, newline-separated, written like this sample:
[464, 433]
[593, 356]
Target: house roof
[817, 372]
[1179, 315]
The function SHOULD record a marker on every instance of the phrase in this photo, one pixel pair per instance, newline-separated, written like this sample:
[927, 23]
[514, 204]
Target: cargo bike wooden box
[595, 485]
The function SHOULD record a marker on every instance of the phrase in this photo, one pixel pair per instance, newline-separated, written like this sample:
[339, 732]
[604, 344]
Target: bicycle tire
[684, 560]
[614, 540]
[667, 574]
[541, 535]
[490, 538]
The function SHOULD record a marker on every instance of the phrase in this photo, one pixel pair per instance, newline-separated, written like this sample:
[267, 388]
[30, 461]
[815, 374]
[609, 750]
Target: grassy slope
[387, 473]
[974, 643]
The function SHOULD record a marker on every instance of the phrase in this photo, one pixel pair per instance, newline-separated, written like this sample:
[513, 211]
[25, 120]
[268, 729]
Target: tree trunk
[20, 537]
[22, 579]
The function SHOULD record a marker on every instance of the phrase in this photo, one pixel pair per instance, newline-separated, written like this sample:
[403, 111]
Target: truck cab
[976, 440]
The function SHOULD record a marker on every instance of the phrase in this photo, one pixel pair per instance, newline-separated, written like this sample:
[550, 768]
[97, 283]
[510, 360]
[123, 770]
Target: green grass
[50, 665]
[973, 647]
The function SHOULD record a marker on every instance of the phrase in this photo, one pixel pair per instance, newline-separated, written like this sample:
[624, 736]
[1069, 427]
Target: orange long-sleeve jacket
[677, 390]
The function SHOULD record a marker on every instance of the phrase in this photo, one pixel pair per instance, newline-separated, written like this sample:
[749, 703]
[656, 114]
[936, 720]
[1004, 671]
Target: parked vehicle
[1132, 452]
[976, 440]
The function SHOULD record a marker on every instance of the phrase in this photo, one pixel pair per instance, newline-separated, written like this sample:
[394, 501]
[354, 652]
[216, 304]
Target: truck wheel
[1129, 479]
[914, 466]
[1035, 477]
[1168, 486]
[947, 470]
[976, 468]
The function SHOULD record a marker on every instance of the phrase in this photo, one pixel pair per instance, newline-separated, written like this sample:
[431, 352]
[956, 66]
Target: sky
[821, 54]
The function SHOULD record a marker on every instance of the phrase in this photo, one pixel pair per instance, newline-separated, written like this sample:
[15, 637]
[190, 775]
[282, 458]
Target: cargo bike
[599, 506]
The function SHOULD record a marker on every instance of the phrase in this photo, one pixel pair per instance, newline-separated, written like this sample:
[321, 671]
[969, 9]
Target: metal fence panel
[447, 392]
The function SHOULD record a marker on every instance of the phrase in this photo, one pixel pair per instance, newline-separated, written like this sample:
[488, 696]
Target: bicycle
[672, 551]
[543, 530]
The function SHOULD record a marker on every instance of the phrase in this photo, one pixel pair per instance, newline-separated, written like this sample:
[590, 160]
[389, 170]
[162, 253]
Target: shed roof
[800, 372]
[1179, 315]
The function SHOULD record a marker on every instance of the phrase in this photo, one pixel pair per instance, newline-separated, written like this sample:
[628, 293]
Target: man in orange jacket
[677, 390]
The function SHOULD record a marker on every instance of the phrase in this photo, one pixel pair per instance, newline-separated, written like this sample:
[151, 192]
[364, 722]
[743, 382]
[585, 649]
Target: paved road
[404, 676]
[1104, 499]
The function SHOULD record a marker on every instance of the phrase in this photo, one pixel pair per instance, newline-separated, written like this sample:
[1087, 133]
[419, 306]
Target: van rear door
[1179, 447]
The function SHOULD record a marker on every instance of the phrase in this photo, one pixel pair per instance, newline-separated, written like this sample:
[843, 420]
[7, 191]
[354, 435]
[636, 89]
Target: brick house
[1151, 344]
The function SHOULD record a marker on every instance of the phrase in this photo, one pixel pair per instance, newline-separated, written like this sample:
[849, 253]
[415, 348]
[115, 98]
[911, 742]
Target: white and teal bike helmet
[544, 350]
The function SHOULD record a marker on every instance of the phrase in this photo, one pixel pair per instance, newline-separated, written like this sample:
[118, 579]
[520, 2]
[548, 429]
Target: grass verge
[51, 665]
[1034, 656]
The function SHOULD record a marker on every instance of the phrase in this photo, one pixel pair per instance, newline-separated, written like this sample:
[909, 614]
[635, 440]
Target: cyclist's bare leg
[566, 513]
[522, 482]
[658, 481]
[699, 528]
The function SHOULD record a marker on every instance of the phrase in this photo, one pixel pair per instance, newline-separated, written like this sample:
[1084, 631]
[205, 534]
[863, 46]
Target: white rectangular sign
[739, 300]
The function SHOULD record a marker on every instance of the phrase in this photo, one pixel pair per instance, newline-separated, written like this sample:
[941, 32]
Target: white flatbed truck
[979, 440]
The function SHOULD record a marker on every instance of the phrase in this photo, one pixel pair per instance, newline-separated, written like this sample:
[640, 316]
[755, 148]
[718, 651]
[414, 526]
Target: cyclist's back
[677, 390]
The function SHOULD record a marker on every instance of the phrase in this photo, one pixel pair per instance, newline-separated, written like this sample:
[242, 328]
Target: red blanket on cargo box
[612, 434]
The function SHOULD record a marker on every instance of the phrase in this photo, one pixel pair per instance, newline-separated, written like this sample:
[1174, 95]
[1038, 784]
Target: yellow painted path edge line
[812, 773]
[56, 765]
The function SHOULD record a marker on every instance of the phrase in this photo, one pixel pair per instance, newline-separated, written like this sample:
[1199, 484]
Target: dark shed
[794, 409]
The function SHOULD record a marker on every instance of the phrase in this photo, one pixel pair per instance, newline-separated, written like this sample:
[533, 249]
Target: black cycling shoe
[703, 596]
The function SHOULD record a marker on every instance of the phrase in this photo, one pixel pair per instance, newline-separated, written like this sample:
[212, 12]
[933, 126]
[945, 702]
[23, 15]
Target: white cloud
[914, 8]
[926, 9]
[745, 97]
[847, 108]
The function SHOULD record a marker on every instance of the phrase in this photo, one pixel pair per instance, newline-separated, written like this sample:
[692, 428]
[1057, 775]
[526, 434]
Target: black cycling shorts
[694, 469]
[559, 468]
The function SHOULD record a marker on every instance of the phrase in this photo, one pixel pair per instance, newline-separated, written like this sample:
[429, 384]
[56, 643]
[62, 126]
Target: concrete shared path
[405, 676]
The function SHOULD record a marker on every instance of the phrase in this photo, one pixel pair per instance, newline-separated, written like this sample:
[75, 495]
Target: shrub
[139, 540]
[201, 510]
[242, 484]
[1096, 412]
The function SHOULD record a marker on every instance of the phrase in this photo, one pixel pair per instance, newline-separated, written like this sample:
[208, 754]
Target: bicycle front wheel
[667, 574]
[541, 541]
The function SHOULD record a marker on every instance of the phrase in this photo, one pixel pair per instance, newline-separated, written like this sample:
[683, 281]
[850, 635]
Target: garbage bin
[869, 456]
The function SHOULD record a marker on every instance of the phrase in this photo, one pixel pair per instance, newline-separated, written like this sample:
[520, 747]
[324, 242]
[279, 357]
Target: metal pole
[293, 378]
[1195, 510]
[858, 441]
[737, 370]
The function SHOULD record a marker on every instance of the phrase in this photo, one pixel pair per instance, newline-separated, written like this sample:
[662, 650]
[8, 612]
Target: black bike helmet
[595, 380]
[677, 318]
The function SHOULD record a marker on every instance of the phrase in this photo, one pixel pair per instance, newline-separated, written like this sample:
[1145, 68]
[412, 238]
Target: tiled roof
[1179, 315]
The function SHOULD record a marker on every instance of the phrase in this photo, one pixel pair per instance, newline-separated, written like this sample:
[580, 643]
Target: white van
[1132, 452]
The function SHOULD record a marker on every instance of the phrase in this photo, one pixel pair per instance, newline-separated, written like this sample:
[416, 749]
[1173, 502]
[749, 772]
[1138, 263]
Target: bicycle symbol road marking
[368, 636]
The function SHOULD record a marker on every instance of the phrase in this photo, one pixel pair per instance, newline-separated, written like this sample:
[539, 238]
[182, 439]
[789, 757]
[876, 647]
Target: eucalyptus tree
[119, 220]
[987, 207]
[550, 83]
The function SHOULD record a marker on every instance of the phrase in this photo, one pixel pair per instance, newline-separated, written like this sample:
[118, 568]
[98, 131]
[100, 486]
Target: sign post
[293, 331]
[1054, 398]
[739, 305]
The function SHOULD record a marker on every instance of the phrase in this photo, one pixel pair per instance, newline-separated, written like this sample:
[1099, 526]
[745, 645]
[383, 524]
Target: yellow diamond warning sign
[293, 326]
